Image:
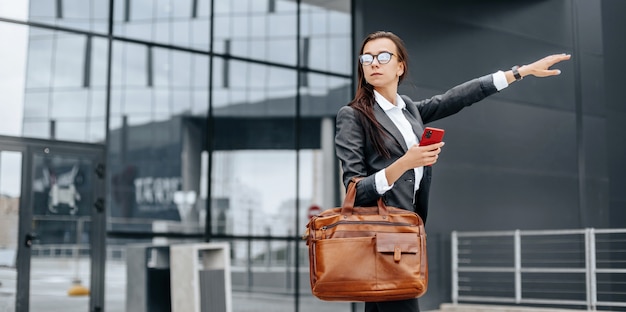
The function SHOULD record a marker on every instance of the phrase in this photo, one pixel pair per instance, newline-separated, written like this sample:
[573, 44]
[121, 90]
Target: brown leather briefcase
[367, 253]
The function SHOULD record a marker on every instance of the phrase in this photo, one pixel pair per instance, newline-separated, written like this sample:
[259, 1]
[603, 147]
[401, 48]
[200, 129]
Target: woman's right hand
[416, 156]
[419, 156]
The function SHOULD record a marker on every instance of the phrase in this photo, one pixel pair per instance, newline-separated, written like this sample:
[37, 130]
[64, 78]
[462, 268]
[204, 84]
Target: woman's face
[377, 74]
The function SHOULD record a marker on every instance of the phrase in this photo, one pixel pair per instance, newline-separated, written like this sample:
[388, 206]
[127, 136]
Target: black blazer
[358, 156]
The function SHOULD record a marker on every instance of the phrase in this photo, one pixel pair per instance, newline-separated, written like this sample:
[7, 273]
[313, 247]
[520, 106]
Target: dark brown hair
[364, 100]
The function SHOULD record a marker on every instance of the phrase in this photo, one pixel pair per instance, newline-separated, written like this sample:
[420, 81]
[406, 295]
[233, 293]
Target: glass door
[66, 230]
[10, 194]
[52, 226]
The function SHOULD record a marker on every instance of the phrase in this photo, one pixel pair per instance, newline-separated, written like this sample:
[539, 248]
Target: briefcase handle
[348, 202]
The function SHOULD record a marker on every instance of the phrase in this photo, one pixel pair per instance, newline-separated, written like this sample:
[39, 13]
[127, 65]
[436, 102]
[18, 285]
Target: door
[10, 194]
[60, 226]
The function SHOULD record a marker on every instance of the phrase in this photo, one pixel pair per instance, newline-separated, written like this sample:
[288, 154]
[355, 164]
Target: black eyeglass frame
[375, 57]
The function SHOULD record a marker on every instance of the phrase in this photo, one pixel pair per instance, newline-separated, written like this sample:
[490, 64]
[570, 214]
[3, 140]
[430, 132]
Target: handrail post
[590, 252]
[518, 266]
[455, 267]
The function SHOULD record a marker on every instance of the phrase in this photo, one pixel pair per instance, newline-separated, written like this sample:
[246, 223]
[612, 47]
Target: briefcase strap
[348, 203]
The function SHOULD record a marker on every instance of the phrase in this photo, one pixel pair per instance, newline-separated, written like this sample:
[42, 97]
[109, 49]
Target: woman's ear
[400, 69]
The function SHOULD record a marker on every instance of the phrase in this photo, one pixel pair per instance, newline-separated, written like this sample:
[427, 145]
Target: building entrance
[52, 225]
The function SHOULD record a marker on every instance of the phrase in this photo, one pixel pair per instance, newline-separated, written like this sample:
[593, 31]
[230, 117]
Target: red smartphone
[431, 136]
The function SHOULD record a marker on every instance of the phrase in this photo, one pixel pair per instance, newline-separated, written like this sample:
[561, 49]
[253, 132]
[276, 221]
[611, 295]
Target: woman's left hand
[541, 68]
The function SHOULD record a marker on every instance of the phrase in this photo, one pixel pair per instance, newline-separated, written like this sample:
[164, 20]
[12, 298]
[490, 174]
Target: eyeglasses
[382, 57]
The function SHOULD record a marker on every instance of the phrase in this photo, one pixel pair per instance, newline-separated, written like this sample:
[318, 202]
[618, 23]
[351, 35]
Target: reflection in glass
[327, 31]
[62, 201]
[10, 195]
[252, 89]
[156, 134]
[13, 60]
[158, 161]
[69, 60]
[182, 23]
[254, 33]
[267, 267]
[267, 194]
[65, 81]
[17, 10]
[40, 60]
[77, 14]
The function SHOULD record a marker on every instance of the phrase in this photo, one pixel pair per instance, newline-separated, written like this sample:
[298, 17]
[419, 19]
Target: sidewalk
[449, 307]
[49, 285]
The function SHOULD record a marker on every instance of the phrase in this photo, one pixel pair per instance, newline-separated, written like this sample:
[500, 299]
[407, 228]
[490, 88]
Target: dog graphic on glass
[63, 191]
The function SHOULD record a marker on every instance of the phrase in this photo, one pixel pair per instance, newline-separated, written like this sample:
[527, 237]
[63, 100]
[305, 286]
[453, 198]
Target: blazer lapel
[384, 121]
[414, 118]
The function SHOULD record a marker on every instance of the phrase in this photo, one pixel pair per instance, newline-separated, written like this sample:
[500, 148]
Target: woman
[377, 132]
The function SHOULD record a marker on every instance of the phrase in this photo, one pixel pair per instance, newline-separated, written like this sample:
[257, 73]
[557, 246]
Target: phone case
[431, 136]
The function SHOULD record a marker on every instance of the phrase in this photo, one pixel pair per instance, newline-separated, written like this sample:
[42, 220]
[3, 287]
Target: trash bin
[200, 277]
[148, 278]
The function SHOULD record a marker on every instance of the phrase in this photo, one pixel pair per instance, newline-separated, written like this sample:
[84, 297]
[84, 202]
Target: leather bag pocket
[397, 244]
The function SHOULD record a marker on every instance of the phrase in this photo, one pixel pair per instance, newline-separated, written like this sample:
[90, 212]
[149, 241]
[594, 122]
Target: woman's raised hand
[541, 68]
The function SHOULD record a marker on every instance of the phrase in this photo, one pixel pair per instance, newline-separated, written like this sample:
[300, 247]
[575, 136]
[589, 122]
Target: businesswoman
[378, 131]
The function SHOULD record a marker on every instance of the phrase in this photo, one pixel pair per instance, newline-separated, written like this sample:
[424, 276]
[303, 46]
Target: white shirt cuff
[499, 80]
[382, 185]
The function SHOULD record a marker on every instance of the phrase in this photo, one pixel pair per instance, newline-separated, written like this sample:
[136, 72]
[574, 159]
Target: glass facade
[215, 118]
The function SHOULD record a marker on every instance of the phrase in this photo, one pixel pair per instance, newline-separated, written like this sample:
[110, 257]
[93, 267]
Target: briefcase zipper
[326, 227]
[367, 222]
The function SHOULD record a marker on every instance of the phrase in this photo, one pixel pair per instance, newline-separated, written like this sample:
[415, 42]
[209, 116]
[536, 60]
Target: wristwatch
[516, 74]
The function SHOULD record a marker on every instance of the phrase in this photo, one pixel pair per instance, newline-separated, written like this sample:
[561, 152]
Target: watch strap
[516, 74]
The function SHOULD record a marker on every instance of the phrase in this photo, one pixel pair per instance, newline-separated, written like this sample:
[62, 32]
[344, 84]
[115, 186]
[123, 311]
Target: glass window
[138, 10]
[75, 9]
[200, 103]
[162, 103]
[137, 30]
[258, 27]
[71, 130]
[99, 58]
[170, 22]
[181, 33]
[62, 68]
[36, 128]
[265, 197]
[181, 102]
[13, 60]
[97, 117]
[254, 137]
[237, 83]
[181, 68]
[42, 10]
[200, 28]
[153, 123]
[131, 64]
[203, 9]
[69, 61]
[254, 32]
[327, 29]
[36, 105]
[17, 10]
[158, 161]
[40, 60]
[70, 105]
[137, 102]
[78, 14]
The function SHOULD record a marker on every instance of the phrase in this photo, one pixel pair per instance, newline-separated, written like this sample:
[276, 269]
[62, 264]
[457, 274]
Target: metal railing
[581, 268]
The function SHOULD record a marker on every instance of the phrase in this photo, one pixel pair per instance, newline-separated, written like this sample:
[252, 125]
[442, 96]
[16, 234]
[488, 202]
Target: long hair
[364, 100]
